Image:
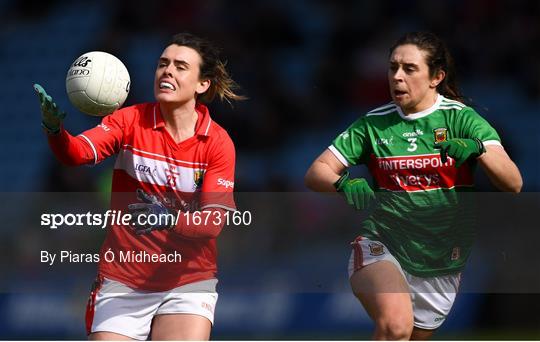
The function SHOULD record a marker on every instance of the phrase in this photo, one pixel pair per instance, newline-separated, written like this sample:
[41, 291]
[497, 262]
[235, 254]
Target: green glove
[357, 191]
[461, 149]
[51, 116]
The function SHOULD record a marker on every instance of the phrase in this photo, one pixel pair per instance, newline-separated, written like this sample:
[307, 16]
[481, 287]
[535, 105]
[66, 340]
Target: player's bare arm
[501, 170]
[324, 172]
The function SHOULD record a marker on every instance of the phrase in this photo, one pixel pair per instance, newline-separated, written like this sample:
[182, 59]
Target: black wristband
[480, 145]
[338, 184]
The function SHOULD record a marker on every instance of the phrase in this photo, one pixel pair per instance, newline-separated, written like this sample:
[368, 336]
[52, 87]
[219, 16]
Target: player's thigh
[433, 298]
[186, 315]
[108, 336]
[180, 327]
[115, 311]
[383, 291]
[420, 334]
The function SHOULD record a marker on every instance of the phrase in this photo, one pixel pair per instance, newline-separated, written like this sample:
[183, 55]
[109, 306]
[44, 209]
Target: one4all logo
[411, 138]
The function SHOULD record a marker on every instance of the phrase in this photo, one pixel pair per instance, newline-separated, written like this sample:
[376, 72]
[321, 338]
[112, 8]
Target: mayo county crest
[376, 249]
[440, 134]
[456, 253]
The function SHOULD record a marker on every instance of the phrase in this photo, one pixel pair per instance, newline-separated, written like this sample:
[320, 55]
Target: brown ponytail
[212, 68]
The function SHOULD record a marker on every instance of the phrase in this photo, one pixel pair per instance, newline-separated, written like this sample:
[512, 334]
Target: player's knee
[394, 328]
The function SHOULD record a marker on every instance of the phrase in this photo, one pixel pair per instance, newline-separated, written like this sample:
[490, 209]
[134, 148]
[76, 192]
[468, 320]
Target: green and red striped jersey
[420, 212]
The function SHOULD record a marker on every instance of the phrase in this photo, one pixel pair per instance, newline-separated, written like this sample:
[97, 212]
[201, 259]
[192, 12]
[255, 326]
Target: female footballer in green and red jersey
[421, 150]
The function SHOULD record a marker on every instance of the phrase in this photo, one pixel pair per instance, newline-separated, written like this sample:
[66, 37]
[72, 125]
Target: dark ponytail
[437, 58]
[212, 68]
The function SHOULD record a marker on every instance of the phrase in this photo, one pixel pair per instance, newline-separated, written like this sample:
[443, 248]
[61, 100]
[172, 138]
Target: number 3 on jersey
[412, 147]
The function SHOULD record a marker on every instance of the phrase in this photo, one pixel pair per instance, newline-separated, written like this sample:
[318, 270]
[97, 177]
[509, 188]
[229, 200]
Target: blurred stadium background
[309, 69]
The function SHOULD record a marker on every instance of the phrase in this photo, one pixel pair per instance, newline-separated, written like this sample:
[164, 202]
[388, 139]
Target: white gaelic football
[97, 83]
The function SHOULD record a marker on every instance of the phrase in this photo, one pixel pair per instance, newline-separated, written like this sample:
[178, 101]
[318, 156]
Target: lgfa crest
[440, 134]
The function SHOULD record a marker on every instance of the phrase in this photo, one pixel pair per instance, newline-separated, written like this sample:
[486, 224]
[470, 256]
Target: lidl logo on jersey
[440, 134]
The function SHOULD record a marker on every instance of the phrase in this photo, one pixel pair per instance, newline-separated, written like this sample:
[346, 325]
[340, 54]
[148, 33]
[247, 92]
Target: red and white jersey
[196, 174]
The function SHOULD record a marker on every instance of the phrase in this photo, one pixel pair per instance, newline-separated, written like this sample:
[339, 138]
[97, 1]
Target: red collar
[202, 127]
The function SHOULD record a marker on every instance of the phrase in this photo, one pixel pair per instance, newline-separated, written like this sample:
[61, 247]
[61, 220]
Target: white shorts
[117, 308]
[432, 297]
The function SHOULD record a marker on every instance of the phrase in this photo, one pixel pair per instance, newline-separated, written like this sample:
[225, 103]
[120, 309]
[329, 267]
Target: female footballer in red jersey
[159, 281]
[421, 150]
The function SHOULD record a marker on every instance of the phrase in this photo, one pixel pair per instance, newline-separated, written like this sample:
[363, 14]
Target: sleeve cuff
[492, 142]
[92, 146]
[219, 206]
[338, 155]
